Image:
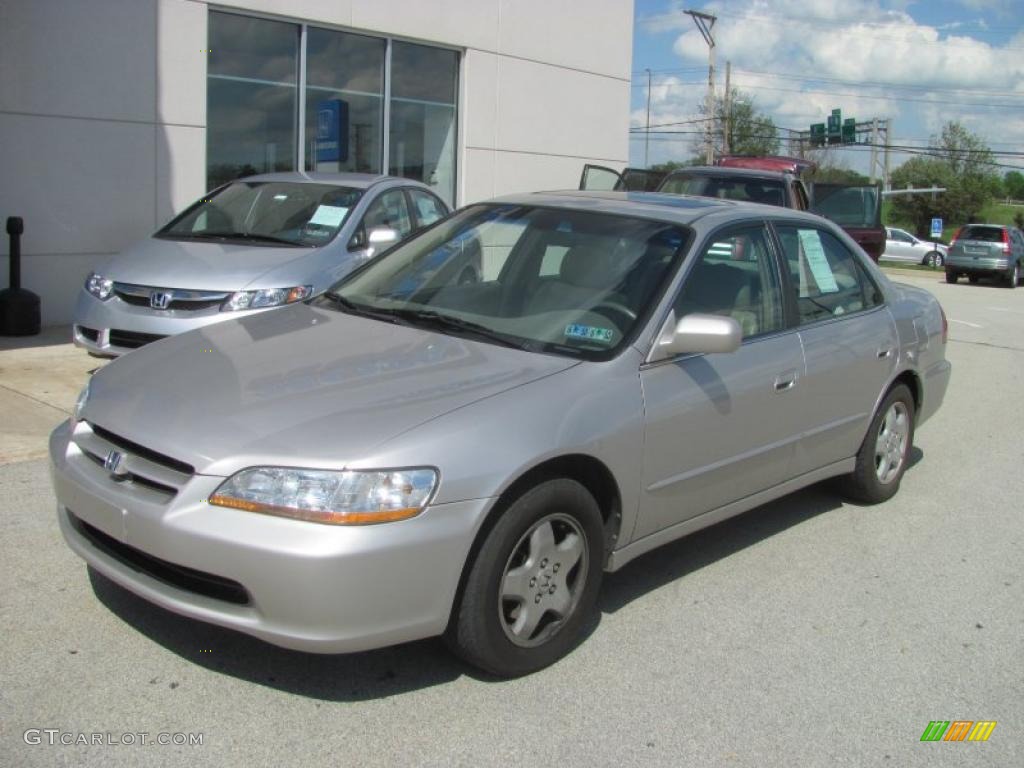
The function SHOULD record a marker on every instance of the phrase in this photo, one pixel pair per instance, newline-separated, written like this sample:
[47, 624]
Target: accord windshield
[267, 213]
[543, 279]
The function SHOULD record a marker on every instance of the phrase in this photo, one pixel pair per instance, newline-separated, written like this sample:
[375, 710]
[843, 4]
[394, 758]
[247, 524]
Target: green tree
[1013, 182]
[750, 132]
[961, 163]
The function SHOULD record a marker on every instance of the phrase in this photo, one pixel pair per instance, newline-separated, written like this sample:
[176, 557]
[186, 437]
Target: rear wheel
[532, 589]
[934, 260]
[1014, 277]
[952, 276]
[883, 455]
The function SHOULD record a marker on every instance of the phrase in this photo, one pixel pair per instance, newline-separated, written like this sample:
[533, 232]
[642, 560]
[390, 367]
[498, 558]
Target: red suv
[769, 180]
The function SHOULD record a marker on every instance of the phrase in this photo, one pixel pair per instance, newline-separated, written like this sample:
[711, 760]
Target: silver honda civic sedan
[253, 244]
[411, 455]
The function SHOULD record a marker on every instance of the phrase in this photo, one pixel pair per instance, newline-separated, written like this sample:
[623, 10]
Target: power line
[898, 99]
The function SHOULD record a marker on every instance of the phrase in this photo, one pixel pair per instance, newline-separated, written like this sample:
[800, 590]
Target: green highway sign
[834, 131]
[817, 134]
[849, 130]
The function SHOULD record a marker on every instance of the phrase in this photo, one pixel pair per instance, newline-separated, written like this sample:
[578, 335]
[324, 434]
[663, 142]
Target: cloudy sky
[918, 63]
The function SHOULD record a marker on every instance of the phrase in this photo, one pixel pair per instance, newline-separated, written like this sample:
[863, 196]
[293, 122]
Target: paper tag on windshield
[815, 256]
[328, 215]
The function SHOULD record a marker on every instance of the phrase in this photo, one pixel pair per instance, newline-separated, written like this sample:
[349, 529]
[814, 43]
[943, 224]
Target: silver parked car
[411, 455]
[253, 244]
[986, 250]
[900, 245]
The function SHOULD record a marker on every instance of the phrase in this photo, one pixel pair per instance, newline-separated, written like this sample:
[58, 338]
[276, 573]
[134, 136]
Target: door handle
[884, 352]
[785, 381]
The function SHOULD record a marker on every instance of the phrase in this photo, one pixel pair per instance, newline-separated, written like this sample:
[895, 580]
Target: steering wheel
[613, 309]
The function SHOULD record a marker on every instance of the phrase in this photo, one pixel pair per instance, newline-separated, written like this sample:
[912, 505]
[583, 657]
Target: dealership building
[116, 114]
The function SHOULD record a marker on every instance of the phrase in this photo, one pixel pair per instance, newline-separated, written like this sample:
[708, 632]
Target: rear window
[985, 234]
[754, 190]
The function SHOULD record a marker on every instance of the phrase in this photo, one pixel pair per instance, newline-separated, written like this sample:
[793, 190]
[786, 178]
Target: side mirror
[698, 332]
[381, 236]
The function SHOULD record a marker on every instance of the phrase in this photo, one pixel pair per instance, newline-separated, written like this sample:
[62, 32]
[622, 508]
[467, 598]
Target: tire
[934, 260]
[524, 562]
[882, 458]
[952, 276]
[1014, 277]
[973, 279]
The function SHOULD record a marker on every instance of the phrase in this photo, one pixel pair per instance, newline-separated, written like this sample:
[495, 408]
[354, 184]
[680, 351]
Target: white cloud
[851, 47]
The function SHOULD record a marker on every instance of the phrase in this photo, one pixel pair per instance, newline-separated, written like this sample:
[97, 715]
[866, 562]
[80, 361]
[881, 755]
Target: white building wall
[103, 109]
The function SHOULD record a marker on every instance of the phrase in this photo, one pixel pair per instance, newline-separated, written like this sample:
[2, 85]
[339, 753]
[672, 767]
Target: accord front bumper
[295, 584]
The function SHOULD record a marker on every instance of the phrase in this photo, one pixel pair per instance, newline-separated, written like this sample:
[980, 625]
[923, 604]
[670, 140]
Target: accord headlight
[99, 286]
[83, 397]
[354, 497]
[266, 297]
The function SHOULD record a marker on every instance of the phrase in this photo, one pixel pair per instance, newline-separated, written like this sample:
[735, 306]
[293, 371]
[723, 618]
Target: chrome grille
[155, 476]
[179, 298]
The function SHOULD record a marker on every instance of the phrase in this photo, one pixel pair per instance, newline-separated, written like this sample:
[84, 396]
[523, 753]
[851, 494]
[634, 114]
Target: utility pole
[874, 147]
[647, 135]
[705, 22]
[726, 132]
[886, 184]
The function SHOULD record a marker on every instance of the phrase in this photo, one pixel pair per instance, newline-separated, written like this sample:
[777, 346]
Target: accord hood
[198, 265]
[298, 386]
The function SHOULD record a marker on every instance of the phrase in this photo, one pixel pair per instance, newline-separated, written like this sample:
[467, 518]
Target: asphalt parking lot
[808, 632]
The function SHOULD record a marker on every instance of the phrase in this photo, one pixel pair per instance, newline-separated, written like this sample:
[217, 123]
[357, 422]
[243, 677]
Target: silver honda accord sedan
[253, 244]
[411, 455]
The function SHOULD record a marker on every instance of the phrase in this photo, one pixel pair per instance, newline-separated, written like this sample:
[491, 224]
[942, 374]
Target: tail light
[1006, 241]
[945, 326]
[956, 234]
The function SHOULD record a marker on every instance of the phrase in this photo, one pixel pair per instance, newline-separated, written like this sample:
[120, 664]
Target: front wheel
[532, 589]
[950, 276]
[882, 458]
[934, 260]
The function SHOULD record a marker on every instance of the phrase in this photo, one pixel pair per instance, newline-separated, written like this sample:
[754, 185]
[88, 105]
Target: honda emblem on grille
[113, 465]
[160, 299]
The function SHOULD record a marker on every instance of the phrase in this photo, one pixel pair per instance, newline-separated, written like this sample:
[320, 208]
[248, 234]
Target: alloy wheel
[891, 444]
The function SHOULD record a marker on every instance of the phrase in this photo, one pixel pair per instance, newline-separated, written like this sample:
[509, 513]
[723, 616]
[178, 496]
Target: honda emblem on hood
[113, 465]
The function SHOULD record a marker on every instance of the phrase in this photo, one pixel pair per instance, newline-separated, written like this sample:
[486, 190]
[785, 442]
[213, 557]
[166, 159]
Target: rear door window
[825, 276]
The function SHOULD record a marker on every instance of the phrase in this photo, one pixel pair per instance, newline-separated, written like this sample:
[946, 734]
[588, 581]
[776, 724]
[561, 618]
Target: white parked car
[900, 245]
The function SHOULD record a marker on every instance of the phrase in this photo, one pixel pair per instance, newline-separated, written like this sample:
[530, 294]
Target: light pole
[705, 22]
[647, 135]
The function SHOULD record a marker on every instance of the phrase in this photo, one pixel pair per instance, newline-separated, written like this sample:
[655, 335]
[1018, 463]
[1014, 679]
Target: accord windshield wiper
[360, 309]
[432, 319]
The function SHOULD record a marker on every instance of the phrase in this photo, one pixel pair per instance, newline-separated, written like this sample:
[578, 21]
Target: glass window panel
[735, 276]
[344, 101]
[250, 97]
[424, 81]
[428, 208]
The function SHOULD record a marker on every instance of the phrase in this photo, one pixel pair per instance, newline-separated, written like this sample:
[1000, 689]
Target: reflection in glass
[422, 131]
[344, 101]
[250, 97]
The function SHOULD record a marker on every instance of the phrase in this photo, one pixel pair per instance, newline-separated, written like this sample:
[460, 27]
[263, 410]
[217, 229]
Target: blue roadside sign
[936, 227]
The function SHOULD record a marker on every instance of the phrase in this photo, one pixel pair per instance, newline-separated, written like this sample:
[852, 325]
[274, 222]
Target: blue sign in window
[332, 131]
